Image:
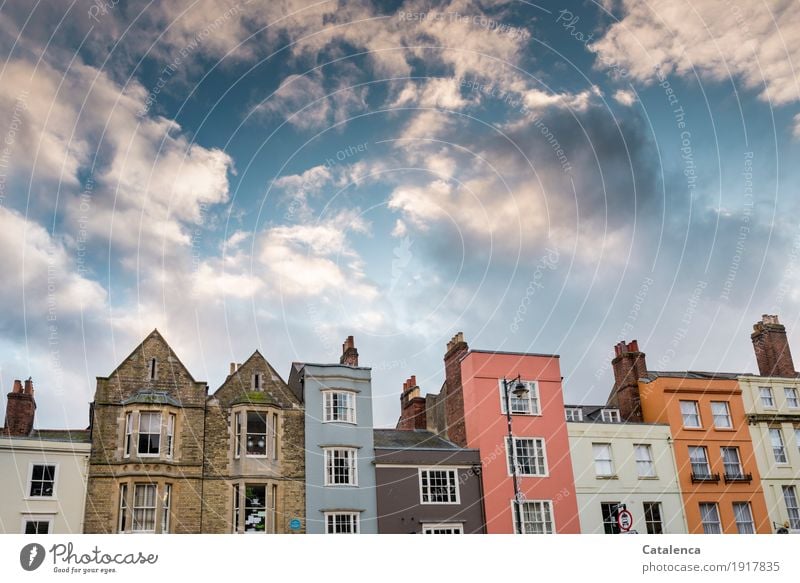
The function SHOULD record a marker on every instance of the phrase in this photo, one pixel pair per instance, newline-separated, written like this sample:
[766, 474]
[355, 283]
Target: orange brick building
[712, 446]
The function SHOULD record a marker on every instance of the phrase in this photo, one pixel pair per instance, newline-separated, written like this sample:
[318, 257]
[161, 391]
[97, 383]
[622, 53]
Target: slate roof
[151, 397]
[410, 439]
[70, 435]
[694, 374]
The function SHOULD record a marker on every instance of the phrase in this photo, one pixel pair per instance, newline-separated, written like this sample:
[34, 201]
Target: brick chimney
[454, 390]
[629, 366]
[773, 355]
[412, 406]
[20, 409]
[349, 353]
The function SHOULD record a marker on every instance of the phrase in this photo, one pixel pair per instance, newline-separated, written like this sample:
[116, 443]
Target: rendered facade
[339, 456]
[619, 463]
[42, 471]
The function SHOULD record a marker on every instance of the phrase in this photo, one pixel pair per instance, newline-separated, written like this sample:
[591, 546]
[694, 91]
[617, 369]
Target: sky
[279, 175]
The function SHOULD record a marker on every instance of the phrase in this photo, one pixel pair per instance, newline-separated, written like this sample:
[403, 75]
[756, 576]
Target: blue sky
[278, 175]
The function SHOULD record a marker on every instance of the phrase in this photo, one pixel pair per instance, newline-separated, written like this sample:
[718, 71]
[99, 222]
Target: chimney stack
[454, 390]
[771, 346]
[20, 410]
[349, 353]
[412, 406]
[629, 366]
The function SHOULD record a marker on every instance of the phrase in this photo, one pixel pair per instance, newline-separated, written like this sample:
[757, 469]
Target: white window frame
[353, 465]
[127, 442]
[355, 516]
[727, 415]
[575, 412]
[777, 431]
[133, 507]
[123, 510]
[540, 443]
[696, 413]
[650, 460]
[797, 438]
[452, 480]
[792, 512]
[718, 522]
[328, 410]
[29, 483]
[166, 507]
[430, 527]
[48, 518]
[550, 528]
[725, 463]
[533, 399]
[610, 460]
[266, 434]
[647, 522]
[160, 433]
[770, 395]
[172, 421]
[708, 473]
[751, 522]
[610, 415]
[237, 434]
[796, 398]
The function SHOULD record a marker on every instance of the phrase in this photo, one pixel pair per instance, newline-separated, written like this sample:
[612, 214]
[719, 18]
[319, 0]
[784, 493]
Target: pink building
[470, 411]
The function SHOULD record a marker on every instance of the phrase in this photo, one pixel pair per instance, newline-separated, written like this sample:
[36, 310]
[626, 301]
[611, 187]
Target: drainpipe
[671, 445]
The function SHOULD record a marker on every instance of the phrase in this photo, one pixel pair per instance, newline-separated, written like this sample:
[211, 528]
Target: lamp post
[520, 392]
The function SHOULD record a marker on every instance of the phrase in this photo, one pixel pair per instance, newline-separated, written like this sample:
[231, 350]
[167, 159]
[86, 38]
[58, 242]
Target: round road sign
[624, 520]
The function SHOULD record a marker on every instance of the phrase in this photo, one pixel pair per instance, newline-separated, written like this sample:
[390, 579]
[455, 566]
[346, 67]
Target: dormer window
[610, 415]
[152, 369]
[256, 384]
[574, 414]
[149, 434]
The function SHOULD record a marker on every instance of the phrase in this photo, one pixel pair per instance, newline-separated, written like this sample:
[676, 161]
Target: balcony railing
[705, 478]
[738, 477]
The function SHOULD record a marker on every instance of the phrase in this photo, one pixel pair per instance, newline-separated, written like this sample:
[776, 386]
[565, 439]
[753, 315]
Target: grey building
[340, 471]
[426, 484]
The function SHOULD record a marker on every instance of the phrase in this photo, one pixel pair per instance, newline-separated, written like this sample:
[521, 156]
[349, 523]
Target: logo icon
[31, 556]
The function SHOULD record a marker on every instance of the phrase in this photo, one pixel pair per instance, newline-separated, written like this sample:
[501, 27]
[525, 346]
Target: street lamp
[520, 391]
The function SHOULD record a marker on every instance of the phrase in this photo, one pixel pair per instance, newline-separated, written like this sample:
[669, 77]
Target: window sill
[729, 429]
[440, 503]
[339, 421]
[693, 428]
[614, 477]
[40, 498]
[648, 477]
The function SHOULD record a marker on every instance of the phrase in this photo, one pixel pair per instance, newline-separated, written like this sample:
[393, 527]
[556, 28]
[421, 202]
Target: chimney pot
[773, 354]
[20, 410]
[17, 386]
[349, 352]
[29, 386]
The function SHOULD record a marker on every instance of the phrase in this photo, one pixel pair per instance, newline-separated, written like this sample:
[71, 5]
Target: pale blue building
[340, 469]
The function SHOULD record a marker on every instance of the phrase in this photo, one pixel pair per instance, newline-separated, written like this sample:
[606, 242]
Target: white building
[42, 472]
[630, 464]
[772, 405]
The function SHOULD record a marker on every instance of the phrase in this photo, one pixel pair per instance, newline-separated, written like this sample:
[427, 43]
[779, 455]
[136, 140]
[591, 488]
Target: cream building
[621, 463]
[772, 405]
[42, 472]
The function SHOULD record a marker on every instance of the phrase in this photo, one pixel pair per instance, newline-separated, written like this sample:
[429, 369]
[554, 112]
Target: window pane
[778, 451]
[652, 518]
[255, 508]
[603, 463]
[256, 433]
[710, 518]
[536, 517]
[149, 433]
[42, 480]
[37, 526]
[743, 517]
[439, 486]
[342, 523]
[144, 508]
[766, 397]
[644, 461]
[690, 414]
[699, 461]
[721, 414]
[791, 398]
[790, 499]
[609, 510]
[340, 467]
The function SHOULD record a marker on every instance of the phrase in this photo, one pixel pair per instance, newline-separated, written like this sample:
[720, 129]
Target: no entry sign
[624, 520]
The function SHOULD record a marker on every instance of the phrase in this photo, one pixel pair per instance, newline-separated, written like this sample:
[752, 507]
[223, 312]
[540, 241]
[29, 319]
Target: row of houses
[496, 450]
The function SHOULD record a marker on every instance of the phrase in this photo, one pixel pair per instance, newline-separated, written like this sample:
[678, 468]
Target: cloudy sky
[281, 174]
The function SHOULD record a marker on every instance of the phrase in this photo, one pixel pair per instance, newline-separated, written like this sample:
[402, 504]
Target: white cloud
[796, 129]
[756, 42]
[41, 273]
[443, 93]
[625, 97]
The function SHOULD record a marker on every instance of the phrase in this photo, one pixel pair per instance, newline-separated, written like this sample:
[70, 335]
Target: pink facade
[486, 430]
